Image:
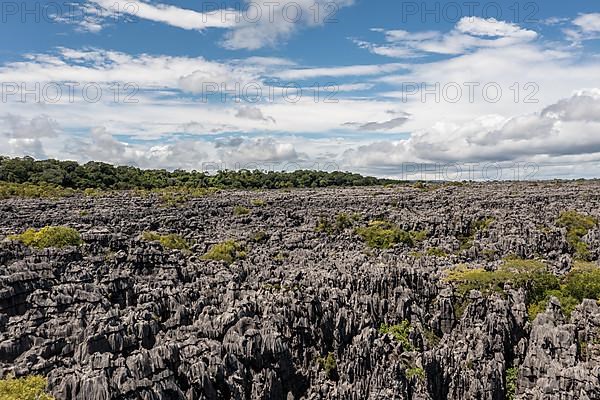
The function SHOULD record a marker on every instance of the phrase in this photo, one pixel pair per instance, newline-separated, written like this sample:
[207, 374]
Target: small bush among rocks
[228, 251]
[171, 241]
[49, 236]
[27, 388]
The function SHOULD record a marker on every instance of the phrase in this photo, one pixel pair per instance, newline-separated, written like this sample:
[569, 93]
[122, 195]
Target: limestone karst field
[470, 291]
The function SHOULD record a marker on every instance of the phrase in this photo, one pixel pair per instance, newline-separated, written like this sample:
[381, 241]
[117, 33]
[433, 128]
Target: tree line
[99, 175]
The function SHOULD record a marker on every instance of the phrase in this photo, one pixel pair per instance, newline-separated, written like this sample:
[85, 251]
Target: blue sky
[405, 89]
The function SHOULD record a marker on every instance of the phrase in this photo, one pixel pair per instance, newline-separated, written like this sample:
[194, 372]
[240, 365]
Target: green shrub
[529, 274]
[577, 226]
[416, 254]
[567, 303]
[432, 338]
[34, 191]
[260, 236]
[341, 222]
[423, 186]
[91, 192]
[241, 210]
[172, 199]
[27, 388]
[400, 332]
[170, 241]
[324, 225]
[258, 203]
[436, 251]
[460, 307]
[475, 279]
[49, 236]
[489, 254]
[418, 236]
[583, 282]
[466, 240]
[415, 372]
[482, 224]
[384, 234]
[584, 350]
[280, 257]
[356, 217]
[329, 364]
[533, 275]
[511, 383]
[228, 251]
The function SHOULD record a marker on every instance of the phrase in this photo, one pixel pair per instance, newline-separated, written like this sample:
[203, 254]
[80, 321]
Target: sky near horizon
[404, 89]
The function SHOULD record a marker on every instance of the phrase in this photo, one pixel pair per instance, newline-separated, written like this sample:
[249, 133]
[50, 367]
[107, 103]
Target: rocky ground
[300, 316]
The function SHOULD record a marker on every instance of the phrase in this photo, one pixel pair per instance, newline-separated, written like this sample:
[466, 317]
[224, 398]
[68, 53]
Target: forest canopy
[99, 175]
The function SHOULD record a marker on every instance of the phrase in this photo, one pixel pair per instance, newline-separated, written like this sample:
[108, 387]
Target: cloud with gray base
[253, 113]
[22, 136]
[584, 106]
[570, 127]
[380, 126]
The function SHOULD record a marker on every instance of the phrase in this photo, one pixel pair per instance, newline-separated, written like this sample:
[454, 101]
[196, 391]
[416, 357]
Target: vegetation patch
[489, 254]
[511, 382]
[531, 274]
[385, 234]
[423, 186]
[400, 333]
[280, 257]
[260, 237]
[171, 241]
[98, 175]
[466, 240]
[577, 226]
[436, 251]
[259, 203]
[583, 282]
[416, 372]
[241, 210]
[431, 337]
[174, 196]
[567, 303]
[33, 191]
[340, 223]
[460, 307]
[49, 236]
[27, 388]
[329, 364]
[228, 251]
